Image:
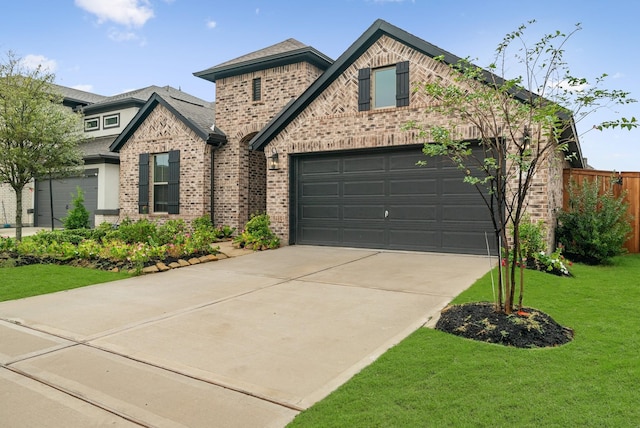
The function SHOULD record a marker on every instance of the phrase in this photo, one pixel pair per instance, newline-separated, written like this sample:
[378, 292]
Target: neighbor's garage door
[383, 200]
[63, 191]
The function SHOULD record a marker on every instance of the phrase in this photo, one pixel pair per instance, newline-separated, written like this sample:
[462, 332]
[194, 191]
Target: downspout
[213, 150]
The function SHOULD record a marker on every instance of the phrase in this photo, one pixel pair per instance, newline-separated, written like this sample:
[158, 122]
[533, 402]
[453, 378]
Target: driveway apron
[246, 341]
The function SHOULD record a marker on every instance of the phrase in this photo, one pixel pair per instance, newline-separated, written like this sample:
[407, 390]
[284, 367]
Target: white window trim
[110, 116]
[89, 120]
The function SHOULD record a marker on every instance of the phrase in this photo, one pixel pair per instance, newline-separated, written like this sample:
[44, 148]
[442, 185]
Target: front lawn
[433, 379]
[32, 280]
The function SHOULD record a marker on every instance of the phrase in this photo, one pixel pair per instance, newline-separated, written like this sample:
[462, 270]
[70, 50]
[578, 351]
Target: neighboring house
[318, 145]
[36, 194]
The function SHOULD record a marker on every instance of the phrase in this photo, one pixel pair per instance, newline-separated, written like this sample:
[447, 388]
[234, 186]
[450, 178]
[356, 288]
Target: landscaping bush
[133, 232]
[257, 234]
[78, 216]
[596, 226]
[131, 245]
[172, 232]
[533, 249]
[224, 232]
[7, 245]
[532, 237]
[74, 236]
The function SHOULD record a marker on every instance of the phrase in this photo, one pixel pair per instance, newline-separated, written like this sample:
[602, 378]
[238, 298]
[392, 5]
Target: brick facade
[239, 174]
[332, 122]
[160, 133]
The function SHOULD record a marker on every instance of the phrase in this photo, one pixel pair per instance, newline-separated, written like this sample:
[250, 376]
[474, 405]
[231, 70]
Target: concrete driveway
[247, 341]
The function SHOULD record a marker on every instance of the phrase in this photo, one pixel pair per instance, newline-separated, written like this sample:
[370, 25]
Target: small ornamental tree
[78, 216]
[38, 135]
[523, 124]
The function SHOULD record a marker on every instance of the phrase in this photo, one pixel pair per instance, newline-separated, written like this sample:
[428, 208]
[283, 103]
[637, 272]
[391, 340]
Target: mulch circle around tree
[528, 328]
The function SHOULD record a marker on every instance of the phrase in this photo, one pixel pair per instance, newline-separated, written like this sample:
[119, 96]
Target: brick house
[318, 145]
[165, 158]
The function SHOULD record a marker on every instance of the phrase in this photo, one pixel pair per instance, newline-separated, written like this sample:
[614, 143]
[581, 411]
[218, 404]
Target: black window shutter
[174, 182]
[143, 183]
[364, 89]
[402, 84]
[257, 89]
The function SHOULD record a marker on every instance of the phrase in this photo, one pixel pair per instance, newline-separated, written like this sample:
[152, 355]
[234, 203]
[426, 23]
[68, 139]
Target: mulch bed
[480, 321]
[11, 259]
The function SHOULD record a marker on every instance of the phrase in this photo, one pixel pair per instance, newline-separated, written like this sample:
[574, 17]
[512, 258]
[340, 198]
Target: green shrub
[257, 234]
[203, 222]
[172, 232]
[7, 245]
[224, 232]
[133, 232]
[554, 263]
[101, 230]
[596, 226]
[73, 236]
[532, 237]
[78, 216]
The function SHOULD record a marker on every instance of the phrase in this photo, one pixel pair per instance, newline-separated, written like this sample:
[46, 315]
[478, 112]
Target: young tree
[78, 216]
[523, 124]
[38, 135]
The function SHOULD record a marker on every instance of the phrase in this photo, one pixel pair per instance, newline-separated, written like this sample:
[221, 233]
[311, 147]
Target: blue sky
[111, 46]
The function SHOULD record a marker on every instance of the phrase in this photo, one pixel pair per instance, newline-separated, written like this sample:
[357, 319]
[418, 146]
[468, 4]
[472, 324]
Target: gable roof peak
[286, 52]
[198, 116]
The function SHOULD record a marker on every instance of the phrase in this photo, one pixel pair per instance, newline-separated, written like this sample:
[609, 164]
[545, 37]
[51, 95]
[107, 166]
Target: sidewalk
[10, 232]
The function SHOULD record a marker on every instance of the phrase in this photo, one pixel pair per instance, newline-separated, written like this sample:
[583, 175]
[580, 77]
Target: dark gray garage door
[63, 191]
[383, 200]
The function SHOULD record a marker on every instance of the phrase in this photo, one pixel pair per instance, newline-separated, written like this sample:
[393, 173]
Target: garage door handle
[386, 213]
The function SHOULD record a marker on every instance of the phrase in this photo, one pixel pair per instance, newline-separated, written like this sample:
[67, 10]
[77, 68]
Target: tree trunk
[18, 213]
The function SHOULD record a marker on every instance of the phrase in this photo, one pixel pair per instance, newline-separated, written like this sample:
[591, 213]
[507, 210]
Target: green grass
[32, 280]
[433, 379]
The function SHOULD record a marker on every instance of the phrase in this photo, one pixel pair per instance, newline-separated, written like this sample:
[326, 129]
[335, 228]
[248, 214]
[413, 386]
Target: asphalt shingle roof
[196, 113]
[78, 95]
[97, 146]
[277, 49]
[286, 52]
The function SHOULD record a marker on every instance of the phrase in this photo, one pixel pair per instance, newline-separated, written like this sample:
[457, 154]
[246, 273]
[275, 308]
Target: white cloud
[258, 11]
[565, 85]
[121, 36]
[34, 61]
[132, 13]
[211, 23]
[617, 76]
[86, 88]
[126, 36]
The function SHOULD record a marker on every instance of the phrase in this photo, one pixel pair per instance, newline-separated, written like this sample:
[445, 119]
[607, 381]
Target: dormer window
[384, 86]
[92, 124]
[256, 89]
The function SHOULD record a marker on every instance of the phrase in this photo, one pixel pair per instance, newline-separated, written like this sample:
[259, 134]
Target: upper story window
[256, 89]
[385, 86]
[92, 124]
[111, 121]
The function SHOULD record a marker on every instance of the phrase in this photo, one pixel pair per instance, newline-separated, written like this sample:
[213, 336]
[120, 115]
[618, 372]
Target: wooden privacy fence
[620, 182]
